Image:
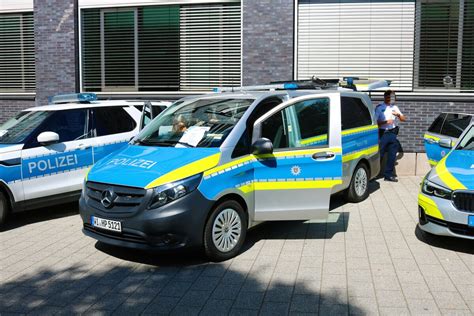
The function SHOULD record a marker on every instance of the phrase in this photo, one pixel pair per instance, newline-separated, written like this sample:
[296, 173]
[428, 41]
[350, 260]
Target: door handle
[323, 155]
[431, 141]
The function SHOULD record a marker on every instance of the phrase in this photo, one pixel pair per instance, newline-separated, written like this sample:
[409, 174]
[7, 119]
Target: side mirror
[48, 138]
[445, 142]
[262, 146]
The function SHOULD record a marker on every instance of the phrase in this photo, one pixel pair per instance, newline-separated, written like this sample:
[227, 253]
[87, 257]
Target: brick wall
[9, 108]
[267, 41]
[55, 48]
[420, 115]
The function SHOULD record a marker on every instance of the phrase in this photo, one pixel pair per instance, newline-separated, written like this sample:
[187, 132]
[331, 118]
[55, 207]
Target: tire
[359, 188]
[4, 208]
[231, 214]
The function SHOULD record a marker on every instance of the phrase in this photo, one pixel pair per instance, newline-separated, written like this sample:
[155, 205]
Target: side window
[68, 124]
[354, 113]
[276, 130]
[437, 124]
[313, 121]
[112, 120]
[455, 124]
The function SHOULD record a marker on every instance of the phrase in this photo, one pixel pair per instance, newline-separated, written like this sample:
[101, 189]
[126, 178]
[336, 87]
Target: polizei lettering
[53, 163]
[139, 163]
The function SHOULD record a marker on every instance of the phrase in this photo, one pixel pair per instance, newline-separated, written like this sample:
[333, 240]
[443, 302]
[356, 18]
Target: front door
[57, 168]
[295, 182]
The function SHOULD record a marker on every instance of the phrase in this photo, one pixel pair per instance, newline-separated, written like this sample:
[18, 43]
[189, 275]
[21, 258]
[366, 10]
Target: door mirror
[262, 146]
[445, 142]
[48, 138]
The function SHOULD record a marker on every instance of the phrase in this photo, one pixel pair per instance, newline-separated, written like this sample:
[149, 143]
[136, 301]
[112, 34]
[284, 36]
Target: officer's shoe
[391, 179]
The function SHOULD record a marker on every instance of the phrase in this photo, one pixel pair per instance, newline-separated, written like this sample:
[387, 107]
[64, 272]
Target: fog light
[422, 216]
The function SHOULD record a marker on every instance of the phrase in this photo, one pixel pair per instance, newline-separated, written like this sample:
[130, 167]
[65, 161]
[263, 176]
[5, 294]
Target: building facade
[154, 49]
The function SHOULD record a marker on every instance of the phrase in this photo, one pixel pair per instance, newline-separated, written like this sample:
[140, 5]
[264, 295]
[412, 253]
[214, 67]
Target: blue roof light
[73, 98]
[290, 86]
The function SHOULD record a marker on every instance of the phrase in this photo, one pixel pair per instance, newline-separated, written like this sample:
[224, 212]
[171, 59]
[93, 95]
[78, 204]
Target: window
[444, 44]
[354, 113]
[161, 48]
[112, 120]
[17, 53]
[275, 129]
[313, 121]
[437, 124]
[455, 124]
[70, 125]
[369, 39]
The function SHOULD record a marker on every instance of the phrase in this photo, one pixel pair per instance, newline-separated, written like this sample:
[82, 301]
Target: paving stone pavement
[367, 258]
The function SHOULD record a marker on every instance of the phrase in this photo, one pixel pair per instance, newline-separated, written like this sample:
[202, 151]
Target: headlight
[169, 192]
[430, 188]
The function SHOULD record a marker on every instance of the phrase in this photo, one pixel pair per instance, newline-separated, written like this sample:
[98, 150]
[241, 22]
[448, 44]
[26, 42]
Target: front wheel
[3, 208]
[225, 231]
[359, 188]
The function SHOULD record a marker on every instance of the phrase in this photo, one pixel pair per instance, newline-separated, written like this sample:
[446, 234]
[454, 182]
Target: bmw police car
[446, 200]
[212, 166]
[45, 150]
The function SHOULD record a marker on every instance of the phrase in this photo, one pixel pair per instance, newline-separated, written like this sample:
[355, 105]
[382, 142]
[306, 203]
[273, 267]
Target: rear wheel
[4, 208]
[359, 188]
[225, 231]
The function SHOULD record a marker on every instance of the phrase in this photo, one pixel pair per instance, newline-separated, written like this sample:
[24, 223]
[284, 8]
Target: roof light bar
[73, 98]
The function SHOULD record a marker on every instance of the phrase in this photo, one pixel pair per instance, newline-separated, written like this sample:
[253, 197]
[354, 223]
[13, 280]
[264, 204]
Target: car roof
[94, 104]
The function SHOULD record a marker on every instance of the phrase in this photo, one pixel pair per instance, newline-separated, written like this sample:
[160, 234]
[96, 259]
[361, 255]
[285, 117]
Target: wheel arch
[11, 199]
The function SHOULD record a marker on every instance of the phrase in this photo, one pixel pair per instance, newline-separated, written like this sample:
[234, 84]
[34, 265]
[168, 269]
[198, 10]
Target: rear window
[112, 120]
[455, 124]
[437, 124]
[354, 113]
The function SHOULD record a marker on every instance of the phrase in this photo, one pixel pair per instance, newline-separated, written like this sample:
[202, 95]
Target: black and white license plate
[108, 224]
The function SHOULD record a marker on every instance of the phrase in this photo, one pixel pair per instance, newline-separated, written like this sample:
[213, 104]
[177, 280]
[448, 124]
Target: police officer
[388, 115]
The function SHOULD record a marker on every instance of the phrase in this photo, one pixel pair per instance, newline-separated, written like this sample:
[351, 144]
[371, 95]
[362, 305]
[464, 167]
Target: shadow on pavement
[448, 243]
[206, 289]
[39, 215]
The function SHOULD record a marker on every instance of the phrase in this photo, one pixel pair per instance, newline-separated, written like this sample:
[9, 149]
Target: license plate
[108, 224]
[470, 221]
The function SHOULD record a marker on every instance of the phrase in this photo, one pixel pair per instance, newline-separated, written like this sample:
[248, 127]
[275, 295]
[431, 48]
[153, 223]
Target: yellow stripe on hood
[446, 176]
[188, 170]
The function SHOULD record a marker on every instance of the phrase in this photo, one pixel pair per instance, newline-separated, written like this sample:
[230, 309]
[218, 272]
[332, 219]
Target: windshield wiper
[171, 143]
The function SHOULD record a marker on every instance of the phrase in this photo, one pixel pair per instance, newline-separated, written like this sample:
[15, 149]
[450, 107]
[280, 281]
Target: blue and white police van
[46, 150]
[446, 199]
[210, 167]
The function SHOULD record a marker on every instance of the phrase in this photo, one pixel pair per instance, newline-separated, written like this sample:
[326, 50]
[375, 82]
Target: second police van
[210, 167]
[46, 150]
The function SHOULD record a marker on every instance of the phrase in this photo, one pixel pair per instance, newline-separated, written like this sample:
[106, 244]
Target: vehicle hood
[148, 167]
[6, 148]
[455, 171]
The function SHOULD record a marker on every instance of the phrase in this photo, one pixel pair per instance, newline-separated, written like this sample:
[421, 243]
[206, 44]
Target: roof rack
[316, 84]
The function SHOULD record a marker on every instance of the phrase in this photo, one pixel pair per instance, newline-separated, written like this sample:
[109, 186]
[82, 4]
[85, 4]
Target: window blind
[210, 46]
[17, 53]
[370, 39]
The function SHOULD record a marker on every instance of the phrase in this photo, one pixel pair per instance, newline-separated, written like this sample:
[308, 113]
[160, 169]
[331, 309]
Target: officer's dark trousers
[389, 145]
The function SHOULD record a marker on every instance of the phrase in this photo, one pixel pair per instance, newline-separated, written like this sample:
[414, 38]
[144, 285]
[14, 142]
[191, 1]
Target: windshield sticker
[139, 163]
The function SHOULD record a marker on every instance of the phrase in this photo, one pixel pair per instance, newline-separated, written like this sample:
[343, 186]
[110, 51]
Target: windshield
[201, 123]
[467, 142]
[15, 130]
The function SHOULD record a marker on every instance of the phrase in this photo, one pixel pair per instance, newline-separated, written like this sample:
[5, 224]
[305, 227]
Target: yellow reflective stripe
[359, 130]
[431, 137]
[87, 173]
[229, 164]
[186, 171]
[432, 162]
[358, 154]
[429, 206]
[289, 185]
[446, 176]
[313, 139]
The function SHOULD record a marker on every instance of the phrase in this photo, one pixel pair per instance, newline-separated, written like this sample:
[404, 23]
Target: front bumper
[179, 224]
[440, 217]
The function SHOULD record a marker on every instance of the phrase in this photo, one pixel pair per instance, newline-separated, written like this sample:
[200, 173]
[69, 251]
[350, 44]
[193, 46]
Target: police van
[446, 200]
[45, 150]
[210, 167]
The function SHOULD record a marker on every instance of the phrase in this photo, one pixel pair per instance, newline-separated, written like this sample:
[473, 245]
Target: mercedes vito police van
[45, 150]
[446, 200]
[210, 167]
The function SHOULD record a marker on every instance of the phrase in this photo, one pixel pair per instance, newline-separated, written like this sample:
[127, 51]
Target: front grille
[124, 236]
[464, 201]
[128, 200]
[459, 229]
